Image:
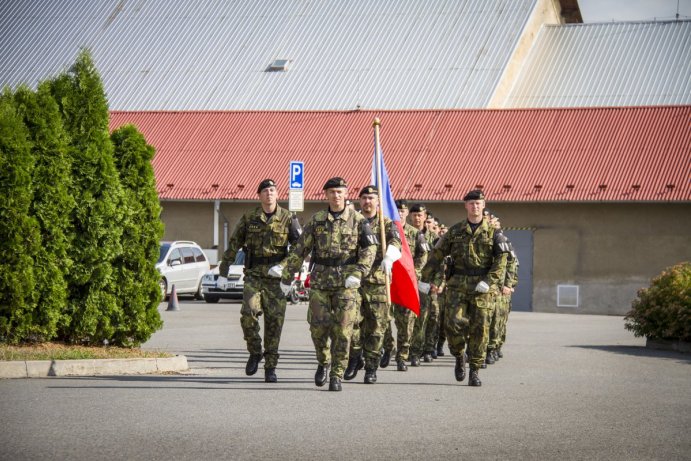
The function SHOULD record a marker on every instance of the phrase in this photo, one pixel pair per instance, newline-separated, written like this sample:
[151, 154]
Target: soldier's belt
[469, 272]
[266, 260]
[334, 261]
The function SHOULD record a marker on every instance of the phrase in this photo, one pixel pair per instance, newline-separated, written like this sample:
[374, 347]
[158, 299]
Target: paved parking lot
[569, 387]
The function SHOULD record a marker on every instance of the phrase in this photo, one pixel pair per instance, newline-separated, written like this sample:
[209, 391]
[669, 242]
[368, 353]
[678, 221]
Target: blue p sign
[297, 175]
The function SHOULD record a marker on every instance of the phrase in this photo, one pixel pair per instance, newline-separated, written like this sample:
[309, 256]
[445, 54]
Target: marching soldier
[510, 283]
[404, 317]
[343, 250]
[428, 301]
[264, 234]
[477, 268]
[375, 308]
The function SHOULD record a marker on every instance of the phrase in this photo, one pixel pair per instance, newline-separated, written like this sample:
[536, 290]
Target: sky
[633, 10]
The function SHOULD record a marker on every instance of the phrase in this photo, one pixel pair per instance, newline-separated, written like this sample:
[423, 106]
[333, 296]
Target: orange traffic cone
[173, 300]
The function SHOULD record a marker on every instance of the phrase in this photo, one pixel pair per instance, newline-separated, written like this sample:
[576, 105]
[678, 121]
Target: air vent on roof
[279, 65]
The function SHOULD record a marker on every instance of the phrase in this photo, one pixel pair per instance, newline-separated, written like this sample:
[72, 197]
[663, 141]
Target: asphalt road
[569, 387]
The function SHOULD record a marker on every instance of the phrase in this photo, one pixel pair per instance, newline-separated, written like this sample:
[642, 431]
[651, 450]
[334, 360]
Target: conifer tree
[97, 223]
[19, 236]
[136, 273]
[51, 207]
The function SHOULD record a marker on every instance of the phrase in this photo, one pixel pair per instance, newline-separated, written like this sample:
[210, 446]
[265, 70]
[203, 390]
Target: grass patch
[57, 351]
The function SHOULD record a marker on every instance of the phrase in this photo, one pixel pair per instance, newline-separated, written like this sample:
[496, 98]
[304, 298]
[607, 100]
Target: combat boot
[427, 357]
[489, 358]
[385, 359]
[495, 355]
[414, 361]
[440, 350]
[401, 365]
[321, 375]
[370, 375]
[355, 363]
[474, 379]
[459, 370]
[335, 384]
[253, 364]
[270, 375]
[500, 354]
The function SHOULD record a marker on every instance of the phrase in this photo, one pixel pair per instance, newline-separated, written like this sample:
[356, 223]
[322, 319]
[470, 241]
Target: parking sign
[297, 175]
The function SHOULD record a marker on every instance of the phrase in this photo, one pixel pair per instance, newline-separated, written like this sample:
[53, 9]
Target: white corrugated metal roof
[607, 64]
[214, 54]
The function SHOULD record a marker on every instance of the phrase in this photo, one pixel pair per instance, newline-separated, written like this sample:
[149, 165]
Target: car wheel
[211, 299]
[163, 285]
[199, 294]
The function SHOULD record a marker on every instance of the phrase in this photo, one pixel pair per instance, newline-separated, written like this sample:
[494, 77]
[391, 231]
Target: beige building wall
[608, 250]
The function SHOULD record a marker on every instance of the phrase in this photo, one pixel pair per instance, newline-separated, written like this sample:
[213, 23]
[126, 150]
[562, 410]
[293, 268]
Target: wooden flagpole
[382, 230]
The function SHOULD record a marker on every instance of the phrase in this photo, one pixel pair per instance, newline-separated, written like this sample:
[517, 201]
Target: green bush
[135, 269]
[19, 233]
[663, 310]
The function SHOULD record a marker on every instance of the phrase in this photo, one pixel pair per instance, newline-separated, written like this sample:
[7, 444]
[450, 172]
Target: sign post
[296, 192]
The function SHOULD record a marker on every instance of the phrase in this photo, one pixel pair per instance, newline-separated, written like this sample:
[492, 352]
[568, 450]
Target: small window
[175, 256]
[239, 258]
[187, 256]
[198, 255]
[279, 65]
[567, 296]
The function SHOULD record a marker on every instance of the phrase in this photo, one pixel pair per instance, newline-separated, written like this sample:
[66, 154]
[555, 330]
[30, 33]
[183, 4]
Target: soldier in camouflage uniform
[264, 234]
[510, 282]
[375, 306]
[343, 248]
[418, 216]
[404, 317]
[478, 255]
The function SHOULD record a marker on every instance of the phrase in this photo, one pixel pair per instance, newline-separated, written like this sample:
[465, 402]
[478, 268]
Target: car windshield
[239, 258]
[164, 251]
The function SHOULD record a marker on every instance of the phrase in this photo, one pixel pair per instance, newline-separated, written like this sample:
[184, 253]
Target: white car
[183, 264]
[233, 289]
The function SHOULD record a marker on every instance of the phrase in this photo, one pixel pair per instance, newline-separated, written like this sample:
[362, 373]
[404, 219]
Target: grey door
[522, 241]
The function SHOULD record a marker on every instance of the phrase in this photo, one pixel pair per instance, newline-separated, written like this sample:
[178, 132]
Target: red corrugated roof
[535, 155]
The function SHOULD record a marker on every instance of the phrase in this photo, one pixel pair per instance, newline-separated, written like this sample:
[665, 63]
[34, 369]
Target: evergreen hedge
[79, 217]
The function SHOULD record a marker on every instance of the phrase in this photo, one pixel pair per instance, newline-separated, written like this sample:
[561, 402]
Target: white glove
[393, 254]
[221, 282]
[276, 271]
[423, 287]
[285, 288]
[352, 282]
[482, 287]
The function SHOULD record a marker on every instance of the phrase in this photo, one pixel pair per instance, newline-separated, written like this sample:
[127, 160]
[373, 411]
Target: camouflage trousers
[467, 319]
[263, 296]
[405, 323]
[495, 323]
[432, 328]
[373, 320]
[505, 309]
[441, 335]
[331, 316]
[417, 344]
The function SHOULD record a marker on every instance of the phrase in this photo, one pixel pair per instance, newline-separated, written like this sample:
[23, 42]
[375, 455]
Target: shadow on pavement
[641, 351]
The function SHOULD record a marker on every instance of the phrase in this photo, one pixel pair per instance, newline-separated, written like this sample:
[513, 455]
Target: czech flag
[404, 291]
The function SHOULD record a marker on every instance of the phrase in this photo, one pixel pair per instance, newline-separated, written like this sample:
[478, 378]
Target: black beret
[417, 208]
[335, 182]
[475, 194]
[264, 184]
[402, 204]
[368, 190]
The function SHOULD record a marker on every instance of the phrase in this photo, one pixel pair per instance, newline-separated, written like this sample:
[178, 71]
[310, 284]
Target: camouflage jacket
[376, 276]
[340, 247]
[475, 256]
[418, 247]
[265, 242]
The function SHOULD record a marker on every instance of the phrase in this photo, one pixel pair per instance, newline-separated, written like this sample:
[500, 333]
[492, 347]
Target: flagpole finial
[376, 122]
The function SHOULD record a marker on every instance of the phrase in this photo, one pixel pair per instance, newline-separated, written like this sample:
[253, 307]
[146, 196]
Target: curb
[91, 367]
